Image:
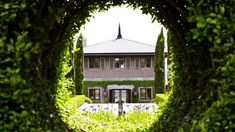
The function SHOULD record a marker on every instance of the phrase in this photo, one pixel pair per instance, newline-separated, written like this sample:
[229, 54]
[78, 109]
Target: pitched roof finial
[119, 32]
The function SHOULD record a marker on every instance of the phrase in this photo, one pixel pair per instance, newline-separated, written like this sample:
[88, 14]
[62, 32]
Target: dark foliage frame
[36, 35]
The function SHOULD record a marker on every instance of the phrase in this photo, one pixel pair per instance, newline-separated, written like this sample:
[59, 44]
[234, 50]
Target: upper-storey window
[137, 62]
[142, 62]
[128, 62]
[145, 62]
[94, 62]
[119, 62]
[111, 59]
[107, 62]
[148, 62]
[102, 60]
[86, 63]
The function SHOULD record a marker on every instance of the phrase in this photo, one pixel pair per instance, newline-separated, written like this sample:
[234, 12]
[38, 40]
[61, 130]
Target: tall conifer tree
[159, 64]
[78, 66]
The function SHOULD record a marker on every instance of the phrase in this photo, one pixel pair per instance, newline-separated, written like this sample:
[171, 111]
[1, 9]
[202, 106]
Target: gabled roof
[119, 45]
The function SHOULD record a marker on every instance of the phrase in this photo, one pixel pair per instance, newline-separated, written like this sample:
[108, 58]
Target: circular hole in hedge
[94, 124]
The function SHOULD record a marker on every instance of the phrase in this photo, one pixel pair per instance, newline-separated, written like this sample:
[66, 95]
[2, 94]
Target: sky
[103, 26]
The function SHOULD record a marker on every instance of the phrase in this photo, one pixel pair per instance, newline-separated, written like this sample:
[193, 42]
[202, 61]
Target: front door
[120, 94]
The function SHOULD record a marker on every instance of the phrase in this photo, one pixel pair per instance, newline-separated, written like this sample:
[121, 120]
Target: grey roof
[119, 45]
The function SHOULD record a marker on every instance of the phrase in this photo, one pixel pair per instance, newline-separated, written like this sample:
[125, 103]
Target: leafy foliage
[219, 117]
[35, 45]
[161, 98]
[106, 121]
[159, 64]
[78, 66]
[25, 104]
[199, 68]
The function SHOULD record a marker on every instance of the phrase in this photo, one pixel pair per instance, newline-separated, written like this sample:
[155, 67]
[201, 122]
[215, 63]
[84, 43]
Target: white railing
[113, 107]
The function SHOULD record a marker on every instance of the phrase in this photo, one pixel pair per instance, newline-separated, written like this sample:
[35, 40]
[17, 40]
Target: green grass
[107, 122]
[103, 121]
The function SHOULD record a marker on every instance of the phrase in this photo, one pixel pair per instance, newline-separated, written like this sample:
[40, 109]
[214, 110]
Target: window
[128, 62]
[94, 62]
[148, 62]
[118, 94]
[137, 60]
[123, 95]
[111, 62]
[102, 62]
[142, 62]
[145, 93]
[94, 94]
[107, 63]
[119, 62]
[145, 62]
[86, 63]
[133, 65]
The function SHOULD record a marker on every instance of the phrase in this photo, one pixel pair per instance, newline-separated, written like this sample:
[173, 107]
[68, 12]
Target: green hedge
[35, 35]
[219, 117]
[161, 98]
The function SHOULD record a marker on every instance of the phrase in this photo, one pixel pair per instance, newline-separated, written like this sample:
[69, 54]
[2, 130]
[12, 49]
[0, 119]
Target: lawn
[106, 121]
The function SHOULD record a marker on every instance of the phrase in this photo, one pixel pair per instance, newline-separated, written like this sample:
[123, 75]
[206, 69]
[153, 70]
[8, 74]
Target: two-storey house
[115, 61]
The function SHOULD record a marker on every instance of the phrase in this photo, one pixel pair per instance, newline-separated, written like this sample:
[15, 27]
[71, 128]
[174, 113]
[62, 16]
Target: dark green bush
[35, 37]
[219, 117]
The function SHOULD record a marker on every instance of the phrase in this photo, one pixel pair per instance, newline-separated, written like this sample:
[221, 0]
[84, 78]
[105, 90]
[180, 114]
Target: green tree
[78, 66]
[159, 64]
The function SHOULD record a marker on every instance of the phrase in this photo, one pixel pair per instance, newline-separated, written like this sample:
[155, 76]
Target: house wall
[132, 69]
[119, 74]
[135, 92]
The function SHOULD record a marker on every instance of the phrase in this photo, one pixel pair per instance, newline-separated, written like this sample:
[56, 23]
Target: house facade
[119, 69]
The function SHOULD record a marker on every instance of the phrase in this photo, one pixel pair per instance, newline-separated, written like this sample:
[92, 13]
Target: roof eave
[119, 54]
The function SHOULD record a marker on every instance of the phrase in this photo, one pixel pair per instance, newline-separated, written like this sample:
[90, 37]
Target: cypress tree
[159, 64]
[78, 66]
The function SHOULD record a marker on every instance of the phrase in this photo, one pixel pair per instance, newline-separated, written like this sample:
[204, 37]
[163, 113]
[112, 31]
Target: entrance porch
[120, 93]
